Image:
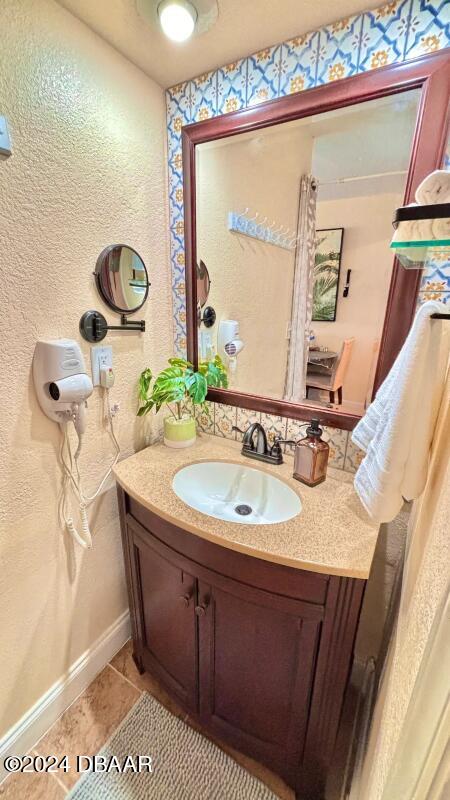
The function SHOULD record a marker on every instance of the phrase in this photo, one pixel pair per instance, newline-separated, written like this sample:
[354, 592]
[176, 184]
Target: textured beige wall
[87, 170]
[368, 229]
[251, 281]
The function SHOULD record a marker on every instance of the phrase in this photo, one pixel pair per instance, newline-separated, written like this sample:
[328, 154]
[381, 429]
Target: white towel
[435, 188]
[397, 428]
[422, 230]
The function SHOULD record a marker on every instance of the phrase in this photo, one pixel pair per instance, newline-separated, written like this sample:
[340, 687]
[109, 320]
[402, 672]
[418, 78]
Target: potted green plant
[181, 389]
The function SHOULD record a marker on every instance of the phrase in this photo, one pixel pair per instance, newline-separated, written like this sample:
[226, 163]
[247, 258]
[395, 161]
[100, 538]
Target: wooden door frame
[429, 73]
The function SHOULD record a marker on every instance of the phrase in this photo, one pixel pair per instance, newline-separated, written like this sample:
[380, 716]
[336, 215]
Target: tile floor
[91, 719]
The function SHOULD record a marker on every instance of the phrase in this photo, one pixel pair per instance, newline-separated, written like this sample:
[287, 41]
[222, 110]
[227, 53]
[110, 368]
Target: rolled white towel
[435, 188]
[414, 230]
[441, 228]
[422, 230]
[403, 232]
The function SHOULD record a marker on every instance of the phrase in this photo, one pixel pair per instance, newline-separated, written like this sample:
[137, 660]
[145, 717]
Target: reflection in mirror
[122, 278]
[203, 283]
[294, 222]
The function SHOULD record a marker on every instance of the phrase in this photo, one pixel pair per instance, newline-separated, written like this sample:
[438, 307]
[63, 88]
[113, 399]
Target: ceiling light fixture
[177, 19]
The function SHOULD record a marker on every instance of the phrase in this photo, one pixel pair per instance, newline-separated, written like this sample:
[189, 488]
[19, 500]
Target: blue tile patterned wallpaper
[395, 32]
[435, 283]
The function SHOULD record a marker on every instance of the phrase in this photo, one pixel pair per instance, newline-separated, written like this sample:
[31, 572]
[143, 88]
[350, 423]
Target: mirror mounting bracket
[208, 316]
[94, 327]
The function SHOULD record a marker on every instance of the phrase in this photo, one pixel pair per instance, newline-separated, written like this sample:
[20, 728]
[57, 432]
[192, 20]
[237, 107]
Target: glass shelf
[416, 255]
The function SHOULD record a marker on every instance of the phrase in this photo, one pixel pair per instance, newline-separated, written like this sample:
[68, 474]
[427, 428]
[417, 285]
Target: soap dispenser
[311, 456]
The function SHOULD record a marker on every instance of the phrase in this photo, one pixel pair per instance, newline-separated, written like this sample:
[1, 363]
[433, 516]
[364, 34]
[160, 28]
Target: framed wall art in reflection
[327, 267]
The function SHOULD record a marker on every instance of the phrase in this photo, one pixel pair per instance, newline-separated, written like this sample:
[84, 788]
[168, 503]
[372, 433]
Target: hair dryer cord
[72, 479]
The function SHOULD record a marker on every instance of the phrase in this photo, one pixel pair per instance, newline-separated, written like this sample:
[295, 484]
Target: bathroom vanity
[249, 627]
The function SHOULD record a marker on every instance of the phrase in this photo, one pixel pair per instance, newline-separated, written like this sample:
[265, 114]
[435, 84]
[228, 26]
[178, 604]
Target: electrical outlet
[5, 141]
[101, 356]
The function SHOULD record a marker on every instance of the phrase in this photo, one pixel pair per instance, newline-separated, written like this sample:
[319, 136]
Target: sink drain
[243, 510]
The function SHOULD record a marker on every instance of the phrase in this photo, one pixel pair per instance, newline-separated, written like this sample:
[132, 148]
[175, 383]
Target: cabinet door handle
[200, 610]
[185, 599]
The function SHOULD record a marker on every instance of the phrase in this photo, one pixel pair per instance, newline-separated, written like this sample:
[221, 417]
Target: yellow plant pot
[179, 432]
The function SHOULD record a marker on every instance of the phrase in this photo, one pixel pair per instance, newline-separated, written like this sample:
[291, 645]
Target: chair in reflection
[331, 379]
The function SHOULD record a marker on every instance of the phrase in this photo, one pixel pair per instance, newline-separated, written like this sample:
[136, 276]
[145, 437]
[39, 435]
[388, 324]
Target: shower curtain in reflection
[295, 386]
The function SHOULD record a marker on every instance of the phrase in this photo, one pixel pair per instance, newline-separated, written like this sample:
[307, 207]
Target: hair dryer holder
[61, 382]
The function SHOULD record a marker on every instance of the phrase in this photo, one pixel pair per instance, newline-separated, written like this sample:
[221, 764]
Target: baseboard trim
[40, 717]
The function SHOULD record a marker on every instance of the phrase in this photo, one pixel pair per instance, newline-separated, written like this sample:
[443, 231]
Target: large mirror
[294, 225]
[289, 209]
[122, 278]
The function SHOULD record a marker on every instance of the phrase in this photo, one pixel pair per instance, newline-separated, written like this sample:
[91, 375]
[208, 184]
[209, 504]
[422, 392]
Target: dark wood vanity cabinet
[257, 652]
[168, 622]
[257, 655]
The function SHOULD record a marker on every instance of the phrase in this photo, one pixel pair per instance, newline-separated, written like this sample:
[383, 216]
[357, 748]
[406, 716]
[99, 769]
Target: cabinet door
[257, 656]
[168, 624]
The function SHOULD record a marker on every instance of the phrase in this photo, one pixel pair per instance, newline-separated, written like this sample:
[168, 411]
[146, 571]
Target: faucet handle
[239, 430]
[275, 450]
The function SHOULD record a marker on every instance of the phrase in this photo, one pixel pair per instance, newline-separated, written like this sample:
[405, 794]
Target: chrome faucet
[260, 449]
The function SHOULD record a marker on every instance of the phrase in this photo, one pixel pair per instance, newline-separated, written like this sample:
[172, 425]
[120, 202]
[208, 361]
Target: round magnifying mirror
[203, 283]
[122, 278]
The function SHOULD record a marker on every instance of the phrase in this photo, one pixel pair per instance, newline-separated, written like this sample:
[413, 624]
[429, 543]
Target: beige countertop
[332, 534]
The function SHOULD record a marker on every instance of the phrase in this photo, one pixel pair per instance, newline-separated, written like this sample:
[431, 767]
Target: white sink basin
[236, 493]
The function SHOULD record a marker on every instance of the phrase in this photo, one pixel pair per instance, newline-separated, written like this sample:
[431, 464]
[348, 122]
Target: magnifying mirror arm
[94, 327]
[132, 325]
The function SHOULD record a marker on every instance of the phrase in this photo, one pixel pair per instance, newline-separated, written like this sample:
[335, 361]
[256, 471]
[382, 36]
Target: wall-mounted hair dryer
[229, 343]
[62, 387]
[61, 381]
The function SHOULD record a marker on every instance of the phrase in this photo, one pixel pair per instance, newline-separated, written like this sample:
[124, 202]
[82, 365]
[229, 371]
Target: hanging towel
[397, 428]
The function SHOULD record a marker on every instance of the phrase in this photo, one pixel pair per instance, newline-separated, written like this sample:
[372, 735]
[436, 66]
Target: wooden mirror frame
[431, 74]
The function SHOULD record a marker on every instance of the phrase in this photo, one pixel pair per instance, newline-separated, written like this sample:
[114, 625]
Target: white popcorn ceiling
[242, 27]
